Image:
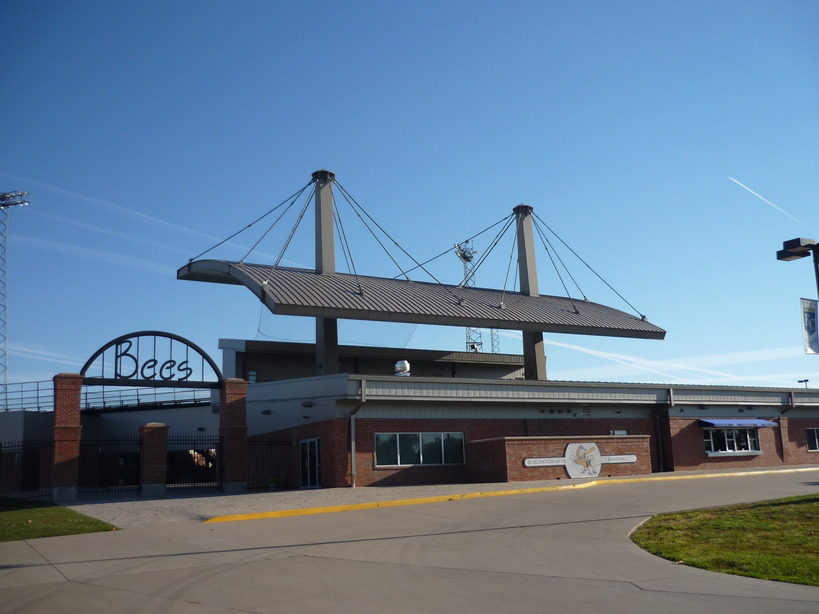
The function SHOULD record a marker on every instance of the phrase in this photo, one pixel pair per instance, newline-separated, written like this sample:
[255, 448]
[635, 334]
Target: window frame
[815, 432]
[730, 441]
[397, 438]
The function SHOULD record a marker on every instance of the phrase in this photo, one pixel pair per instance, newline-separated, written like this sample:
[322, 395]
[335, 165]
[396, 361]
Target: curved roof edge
[303, 292]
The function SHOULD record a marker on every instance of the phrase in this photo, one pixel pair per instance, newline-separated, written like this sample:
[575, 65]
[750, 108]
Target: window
[813, 440]
[731, 441]
[419, 449]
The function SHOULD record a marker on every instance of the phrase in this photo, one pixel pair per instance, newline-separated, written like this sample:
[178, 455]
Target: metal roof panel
[303, 292]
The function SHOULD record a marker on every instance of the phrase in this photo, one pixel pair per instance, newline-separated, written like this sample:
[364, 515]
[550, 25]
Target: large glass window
[419, 449]
[813, 440]
[386, 449]
[731, 441]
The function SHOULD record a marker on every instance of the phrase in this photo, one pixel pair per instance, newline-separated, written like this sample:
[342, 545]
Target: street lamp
[801, 248]
[804, 381]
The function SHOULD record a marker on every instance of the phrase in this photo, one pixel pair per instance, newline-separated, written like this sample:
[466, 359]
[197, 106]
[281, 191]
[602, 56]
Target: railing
[39, 396]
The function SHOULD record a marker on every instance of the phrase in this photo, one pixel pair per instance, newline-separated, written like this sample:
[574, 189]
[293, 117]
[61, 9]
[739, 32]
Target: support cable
[637, 311]
[506, 278]
[370, 230]
[345, 249]
[549, 252]
[509, 219]
[292, 231]
[355, 205]
[265, 233]
[547, 244]
[285, 201]
[449, 249]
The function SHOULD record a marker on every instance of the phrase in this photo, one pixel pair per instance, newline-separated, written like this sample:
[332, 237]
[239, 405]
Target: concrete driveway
[545, 550]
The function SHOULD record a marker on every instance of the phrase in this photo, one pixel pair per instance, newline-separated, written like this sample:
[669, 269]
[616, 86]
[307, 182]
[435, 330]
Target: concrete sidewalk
[136, 513]
[534, 547]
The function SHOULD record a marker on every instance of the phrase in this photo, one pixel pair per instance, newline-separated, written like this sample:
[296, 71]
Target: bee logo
[582, 460]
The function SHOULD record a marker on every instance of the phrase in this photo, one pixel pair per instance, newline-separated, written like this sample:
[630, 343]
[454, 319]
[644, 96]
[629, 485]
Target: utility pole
[7, 201]
[474, 338]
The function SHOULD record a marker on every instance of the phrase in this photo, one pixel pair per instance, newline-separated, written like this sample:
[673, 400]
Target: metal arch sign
[152, 358]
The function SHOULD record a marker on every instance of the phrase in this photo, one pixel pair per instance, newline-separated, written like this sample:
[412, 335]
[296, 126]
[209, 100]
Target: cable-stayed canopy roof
[304, 292]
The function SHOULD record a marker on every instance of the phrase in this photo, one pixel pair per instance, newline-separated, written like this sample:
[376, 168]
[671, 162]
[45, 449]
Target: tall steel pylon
[7, 200]
[474, 338]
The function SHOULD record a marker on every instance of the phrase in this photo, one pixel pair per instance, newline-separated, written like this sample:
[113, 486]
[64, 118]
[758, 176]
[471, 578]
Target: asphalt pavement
[521, 547]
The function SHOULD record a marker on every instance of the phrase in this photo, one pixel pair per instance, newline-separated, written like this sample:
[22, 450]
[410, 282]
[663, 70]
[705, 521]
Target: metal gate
[25, 469]
[109, 467]
[270, 463]
[194, 465]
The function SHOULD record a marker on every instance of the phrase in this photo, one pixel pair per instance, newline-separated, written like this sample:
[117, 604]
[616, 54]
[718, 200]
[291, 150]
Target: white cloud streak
[43, 355]
[704, 369]
[765, 200]
[94, 254]
[131, 214]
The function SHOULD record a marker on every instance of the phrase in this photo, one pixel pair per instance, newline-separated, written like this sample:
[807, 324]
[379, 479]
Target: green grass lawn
[29, 519]
[772, 540]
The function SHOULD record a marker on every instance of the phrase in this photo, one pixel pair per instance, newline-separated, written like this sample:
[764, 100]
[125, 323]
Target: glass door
[310, 463]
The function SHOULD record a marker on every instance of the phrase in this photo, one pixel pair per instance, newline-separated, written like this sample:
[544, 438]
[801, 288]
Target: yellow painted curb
[393, 503]
[494, 493]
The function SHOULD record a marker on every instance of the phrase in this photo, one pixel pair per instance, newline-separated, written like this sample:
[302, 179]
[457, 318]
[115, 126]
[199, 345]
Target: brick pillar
[65, 473]
[233, 431]
[153, 459]
[785, 440]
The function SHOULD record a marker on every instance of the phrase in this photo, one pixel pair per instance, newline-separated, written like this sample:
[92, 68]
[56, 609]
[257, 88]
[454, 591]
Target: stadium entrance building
[380, 416]
[297, 415]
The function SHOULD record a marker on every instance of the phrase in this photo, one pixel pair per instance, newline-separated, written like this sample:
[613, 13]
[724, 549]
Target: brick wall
[370, 475]
[487, 461]
[795, 438]
[334, 442]
[502, 460]
[570, 427]
[334, 436]
[684, 448]
[689, 448]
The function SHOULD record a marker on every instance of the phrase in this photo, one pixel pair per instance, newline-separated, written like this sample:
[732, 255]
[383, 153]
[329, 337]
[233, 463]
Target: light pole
[801, 248]
[804, 381]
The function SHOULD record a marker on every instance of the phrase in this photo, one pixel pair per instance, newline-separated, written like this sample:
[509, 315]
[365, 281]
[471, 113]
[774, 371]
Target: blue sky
[672, 145]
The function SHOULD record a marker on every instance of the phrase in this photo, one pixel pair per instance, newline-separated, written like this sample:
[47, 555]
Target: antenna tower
[474, 338]
[7, 200]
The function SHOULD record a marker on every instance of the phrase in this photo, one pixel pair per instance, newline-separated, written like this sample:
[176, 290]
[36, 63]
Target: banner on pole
[809, 326]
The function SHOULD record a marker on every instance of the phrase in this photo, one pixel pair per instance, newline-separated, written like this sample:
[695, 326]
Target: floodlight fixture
[801, 248]
[796, 249]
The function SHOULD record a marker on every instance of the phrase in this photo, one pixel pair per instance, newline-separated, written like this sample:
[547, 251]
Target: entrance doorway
[310, 463]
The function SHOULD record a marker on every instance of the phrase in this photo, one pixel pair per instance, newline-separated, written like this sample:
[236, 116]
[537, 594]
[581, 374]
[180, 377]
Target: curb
[331, 509]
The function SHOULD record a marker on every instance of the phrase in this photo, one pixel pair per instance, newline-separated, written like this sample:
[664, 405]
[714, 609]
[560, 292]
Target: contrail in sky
[125, 211]
[765, 200]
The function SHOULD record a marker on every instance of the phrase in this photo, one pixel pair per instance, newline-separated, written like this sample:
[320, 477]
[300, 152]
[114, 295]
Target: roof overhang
[746, 423]
[303, 292]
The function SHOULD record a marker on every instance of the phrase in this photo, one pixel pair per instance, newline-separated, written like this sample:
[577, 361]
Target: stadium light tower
[7, 201]
[474, 340]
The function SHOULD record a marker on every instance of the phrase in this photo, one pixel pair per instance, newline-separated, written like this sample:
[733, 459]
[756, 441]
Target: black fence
[270, 463]
[25, 469]
[194, 465]
[109, 468]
